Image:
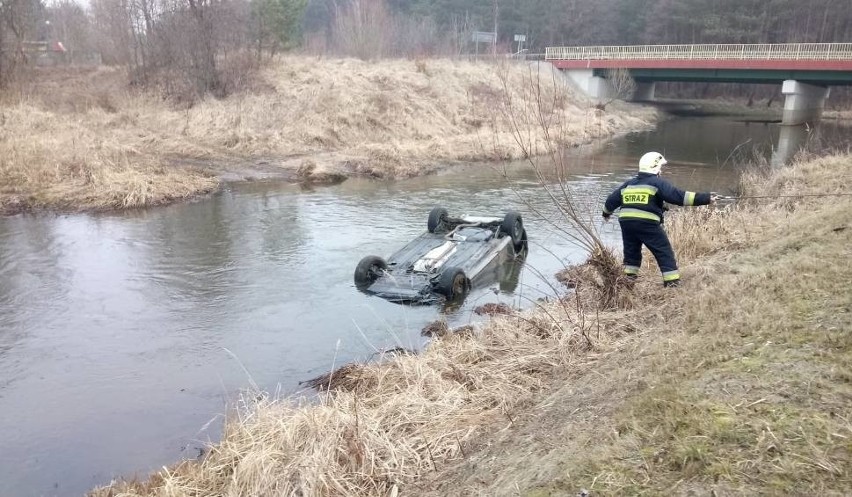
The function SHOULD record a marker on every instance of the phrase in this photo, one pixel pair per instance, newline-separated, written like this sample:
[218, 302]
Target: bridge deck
[788, 56]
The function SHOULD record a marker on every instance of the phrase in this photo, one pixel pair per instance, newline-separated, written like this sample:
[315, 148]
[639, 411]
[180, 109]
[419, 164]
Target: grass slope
[736, 384]
[746, 384]
[80, 139]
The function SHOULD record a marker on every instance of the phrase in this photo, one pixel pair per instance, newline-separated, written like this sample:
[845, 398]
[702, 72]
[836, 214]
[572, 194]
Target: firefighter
[641, 216]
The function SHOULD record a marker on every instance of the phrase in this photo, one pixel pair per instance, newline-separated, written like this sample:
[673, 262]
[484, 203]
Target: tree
[73, 27]
[277, 23]
[20, 21]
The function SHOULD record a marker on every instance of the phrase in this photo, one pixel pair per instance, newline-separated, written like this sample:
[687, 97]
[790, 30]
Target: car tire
[513, 225]
[368, 270]
[436, 219]
[453, 283]
[523, 245]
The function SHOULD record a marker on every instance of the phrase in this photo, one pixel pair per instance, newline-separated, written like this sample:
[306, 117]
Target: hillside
[81, 139]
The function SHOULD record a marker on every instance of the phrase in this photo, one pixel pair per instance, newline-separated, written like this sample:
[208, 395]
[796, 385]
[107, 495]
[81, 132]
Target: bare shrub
[71, 24]
[621, 85]
[361, 27]
[541, 107]
[190, 48]
[368, 29]
[19, 22]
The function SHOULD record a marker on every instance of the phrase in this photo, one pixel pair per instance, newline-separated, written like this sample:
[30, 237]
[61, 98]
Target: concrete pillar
[804, 102]
[591, 85]
[644, 92]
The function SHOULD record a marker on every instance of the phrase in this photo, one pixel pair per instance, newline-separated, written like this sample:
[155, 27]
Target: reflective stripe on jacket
[642, 197]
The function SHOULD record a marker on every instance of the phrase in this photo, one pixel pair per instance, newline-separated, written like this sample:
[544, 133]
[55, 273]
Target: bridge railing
[785, 51]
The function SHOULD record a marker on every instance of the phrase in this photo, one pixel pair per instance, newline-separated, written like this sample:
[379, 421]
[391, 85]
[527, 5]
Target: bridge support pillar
[591, 85]
[644, 92]
[804, 102]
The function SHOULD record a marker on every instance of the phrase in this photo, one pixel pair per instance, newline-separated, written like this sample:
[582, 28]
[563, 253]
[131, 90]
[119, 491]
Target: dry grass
[737, 383]
[381, 425]
[748, 391]
[80, 139]
[50, 161]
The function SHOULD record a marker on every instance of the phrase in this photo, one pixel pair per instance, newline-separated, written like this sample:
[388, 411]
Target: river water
[125, 337]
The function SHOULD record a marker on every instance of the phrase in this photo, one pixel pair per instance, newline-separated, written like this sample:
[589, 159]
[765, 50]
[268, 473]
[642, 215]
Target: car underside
[445, 261]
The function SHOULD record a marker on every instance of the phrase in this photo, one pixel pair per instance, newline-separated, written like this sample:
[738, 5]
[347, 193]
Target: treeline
[613, 22]
[195, 47]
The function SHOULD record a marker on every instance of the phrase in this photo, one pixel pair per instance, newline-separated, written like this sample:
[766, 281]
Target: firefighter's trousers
[637, 232]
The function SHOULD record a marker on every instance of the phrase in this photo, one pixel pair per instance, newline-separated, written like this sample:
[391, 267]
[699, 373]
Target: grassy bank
[79, 139]
[735, 383]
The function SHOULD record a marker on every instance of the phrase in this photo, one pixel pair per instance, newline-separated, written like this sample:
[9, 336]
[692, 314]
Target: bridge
[805, 71]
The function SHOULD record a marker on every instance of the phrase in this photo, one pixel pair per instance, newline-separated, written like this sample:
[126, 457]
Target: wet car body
[443, 263]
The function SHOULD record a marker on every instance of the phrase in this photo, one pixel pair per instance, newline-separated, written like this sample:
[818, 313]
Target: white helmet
[652, 162]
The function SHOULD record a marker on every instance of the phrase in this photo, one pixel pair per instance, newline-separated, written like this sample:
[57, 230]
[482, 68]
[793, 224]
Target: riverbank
[81, 140]
[735, 383]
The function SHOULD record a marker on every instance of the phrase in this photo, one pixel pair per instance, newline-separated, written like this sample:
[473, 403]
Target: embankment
[735, 383]
[80, 139]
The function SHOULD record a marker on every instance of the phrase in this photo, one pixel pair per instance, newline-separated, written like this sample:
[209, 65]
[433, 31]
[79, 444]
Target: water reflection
[791, 139]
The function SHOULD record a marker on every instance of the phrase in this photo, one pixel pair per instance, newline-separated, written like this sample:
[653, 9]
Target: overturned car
[453, 255]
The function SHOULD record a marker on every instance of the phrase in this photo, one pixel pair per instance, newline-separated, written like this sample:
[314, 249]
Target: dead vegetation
[492, 309]
[736, 383]
[80, 139]
[731, 385]
[544, 134]
[381, 425]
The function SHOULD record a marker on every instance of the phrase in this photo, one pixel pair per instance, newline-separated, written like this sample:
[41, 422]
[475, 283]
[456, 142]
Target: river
[125, 336]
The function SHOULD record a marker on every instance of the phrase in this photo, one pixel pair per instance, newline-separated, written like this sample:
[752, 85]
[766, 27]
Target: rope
[725, 197]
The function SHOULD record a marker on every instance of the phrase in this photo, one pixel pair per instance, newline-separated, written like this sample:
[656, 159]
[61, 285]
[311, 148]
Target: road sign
[520, 37]
[484, 37]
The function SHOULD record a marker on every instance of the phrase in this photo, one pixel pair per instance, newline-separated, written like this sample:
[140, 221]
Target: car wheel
[436, 219]
[368, 270]
[523, 245]
[453, 283]
[513, 226]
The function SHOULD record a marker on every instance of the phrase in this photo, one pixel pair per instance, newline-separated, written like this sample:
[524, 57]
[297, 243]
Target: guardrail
[785, 51]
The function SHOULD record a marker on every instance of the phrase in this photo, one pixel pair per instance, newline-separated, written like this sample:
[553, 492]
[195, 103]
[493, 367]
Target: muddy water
[124, 337]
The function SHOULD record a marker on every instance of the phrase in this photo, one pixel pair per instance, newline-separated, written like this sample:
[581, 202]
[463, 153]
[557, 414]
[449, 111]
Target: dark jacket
[642, 197]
